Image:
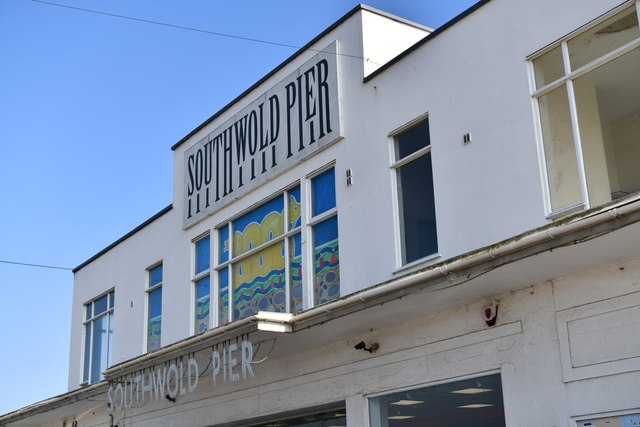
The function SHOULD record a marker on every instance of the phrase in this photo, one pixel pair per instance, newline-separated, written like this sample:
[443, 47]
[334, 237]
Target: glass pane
[603, 38]
[295, 269]
[99, 353]
[154, 328]
[323, 188]
[259, 282]
[203, 255]
[608, 105]
[259, 226]
[418, 212]
[87, 352]
[326, 261]
[223, 238]
[294, 208]
[112, 299]
[548, 67]
[89, 311]
[472, 402]
[559, 149]
[223, 307]
[203, 289]
[412, 140]
[155, 276]
[100, 306]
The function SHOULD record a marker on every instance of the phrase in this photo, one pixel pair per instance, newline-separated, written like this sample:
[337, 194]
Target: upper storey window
[202, 283]
[98, 334]
[414, 177]
[587, 92]
[261, 258]
[154, 308]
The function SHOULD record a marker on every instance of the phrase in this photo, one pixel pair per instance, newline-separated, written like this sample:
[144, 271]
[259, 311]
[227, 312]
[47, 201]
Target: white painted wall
[470, 78]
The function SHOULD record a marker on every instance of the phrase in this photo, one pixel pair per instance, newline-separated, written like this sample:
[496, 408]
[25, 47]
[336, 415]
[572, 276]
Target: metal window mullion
[411, 157]
[230, 273]
[323, 216]
[573, 113]
[93, 312]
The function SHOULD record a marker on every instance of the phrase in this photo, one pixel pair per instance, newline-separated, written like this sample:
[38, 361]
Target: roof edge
[427, 39]
[123, 238]
[358, 8]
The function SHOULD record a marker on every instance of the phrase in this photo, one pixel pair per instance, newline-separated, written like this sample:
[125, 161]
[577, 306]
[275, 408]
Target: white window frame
[307, 222]
[394, 169]
[148, 290]
[195, 277]
[567, 79]
[109, 313]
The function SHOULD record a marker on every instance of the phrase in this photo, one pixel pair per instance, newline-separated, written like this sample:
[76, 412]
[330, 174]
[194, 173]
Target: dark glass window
[474, 402]
[415, 192]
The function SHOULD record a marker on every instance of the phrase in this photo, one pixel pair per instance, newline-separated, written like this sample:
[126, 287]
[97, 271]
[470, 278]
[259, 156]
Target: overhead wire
[199, 30]
[27, 264]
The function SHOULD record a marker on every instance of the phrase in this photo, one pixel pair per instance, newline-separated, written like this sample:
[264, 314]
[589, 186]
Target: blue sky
[89, 107]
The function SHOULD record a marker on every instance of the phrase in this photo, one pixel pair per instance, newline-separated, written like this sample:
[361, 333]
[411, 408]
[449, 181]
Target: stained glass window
[326, 253]
[202, 284]
[261, 254]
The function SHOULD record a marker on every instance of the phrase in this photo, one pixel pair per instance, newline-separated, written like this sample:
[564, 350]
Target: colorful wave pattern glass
[202, 304]
[223, 307]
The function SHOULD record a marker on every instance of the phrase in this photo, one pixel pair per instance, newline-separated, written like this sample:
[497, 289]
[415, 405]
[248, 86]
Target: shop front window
[588, 97]
[473, 402]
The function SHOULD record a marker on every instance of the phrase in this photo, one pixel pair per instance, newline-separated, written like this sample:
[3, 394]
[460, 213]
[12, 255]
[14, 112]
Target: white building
[428, 229]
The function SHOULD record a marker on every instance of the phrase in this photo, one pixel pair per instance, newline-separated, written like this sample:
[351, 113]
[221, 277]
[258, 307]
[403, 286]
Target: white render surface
[566, 347]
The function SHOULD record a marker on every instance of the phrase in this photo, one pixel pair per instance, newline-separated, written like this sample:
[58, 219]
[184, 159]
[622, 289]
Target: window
[328, 418]
[202, 284]
[474, 402]
[154, 308]
[260, 256]
[588, 97]
[98, 334]
[414, 178]
[324, 221]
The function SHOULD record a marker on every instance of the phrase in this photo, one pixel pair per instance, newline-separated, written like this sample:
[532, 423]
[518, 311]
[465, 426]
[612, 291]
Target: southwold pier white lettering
[292, 120]
[230, 364]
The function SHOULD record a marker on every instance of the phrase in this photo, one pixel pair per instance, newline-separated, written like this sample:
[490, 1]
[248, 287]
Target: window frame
[394, 169]
[567, 79]
[85, 377]
[197, 276]
[305, 229]
[149, 289]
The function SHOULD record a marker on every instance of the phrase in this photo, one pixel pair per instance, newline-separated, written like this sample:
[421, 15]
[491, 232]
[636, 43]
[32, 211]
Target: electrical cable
[199, 30]
[26, 264]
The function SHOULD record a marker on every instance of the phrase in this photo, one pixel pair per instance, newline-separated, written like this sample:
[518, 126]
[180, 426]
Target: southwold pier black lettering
[281, 126]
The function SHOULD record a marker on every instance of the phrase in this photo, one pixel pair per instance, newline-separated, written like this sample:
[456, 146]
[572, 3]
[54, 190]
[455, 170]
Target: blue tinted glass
[110, 340]
[89, 311]
[112, 298]
[155, 303]
[203, 255]
[323, 187]
[223, 250]
[412, 140]
[202, 287]
[100, 306]
[99, 353]
[155, 276]
[325, 232]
